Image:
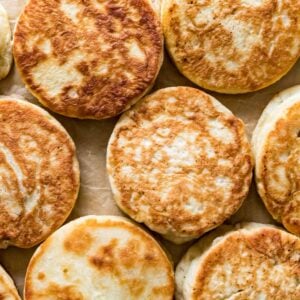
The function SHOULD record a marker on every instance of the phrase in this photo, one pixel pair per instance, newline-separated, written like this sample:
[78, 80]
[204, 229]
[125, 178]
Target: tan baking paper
[91, 138]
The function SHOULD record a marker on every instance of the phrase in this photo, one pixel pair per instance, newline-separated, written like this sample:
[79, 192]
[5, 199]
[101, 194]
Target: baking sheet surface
[91, 139]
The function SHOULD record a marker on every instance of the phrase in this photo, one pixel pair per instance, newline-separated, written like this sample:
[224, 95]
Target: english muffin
[252, 262]
[232, 46]
[8, 290]
[5, 44]
[276, 145]
[99, 257]
[39, 174]
[180, 162]
[88, 59]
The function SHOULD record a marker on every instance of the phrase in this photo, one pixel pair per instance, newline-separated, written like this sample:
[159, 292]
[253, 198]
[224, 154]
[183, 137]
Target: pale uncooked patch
[5, 44]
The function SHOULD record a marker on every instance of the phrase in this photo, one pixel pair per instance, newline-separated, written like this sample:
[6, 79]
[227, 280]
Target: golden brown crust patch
[262, 264]
[179, 162]
[78, 242]
[39, 174]
[88, 59]
[278, 158]
[233, 46]
[121, 262]
[284, 206]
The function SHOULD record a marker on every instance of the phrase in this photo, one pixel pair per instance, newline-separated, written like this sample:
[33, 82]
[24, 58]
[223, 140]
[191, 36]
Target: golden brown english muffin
[39, 174]
[8, 290]
[232, 46]
[5, 44]
[276, 145]
[89, 59]
[180, 162]
[249, 262]
[99, 257]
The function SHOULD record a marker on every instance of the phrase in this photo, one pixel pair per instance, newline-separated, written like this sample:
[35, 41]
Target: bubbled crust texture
[88, 59]
[233, 46]
[262, 263]
[99, 258]
[179, 162]
[8, 290]
[39, 174]
[278, 160]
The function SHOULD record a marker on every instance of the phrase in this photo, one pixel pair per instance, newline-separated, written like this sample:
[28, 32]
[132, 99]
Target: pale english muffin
[39, 174]
[253, 262]
[89, 59]
[8, 290]
[99, 257]
[232, 46]
[5, 44]
[276, 144]
[156, 4]
[180, 162]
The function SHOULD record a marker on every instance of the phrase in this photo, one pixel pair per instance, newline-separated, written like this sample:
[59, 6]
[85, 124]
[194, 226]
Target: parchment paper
[91, 139]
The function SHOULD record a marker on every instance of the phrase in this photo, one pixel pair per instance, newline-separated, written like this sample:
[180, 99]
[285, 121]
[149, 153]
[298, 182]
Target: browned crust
[267, 247]
[109, 258]
[285, 208]
[168, 215]
[46, 158]
[263, 63]
[97, 96]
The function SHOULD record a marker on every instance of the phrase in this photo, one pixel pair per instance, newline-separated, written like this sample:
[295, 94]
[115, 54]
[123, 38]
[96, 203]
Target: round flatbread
[88, 59]
[99, 257]
[276, 145]
[180, 162]
[253, 262]
[5, 44]
[39, 174]
[8, 290]
[232, 46]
